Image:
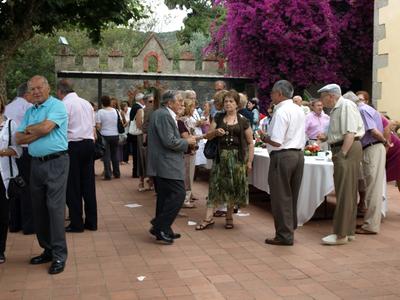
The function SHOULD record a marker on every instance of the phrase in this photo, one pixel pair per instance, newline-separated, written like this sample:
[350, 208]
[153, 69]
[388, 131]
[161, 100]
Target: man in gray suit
[166, 164]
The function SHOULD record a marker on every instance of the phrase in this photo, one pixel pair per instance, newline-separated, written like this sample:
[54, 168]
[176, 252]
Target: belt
[51, 156]
[284, 150]
[371, 144]
[338, 144]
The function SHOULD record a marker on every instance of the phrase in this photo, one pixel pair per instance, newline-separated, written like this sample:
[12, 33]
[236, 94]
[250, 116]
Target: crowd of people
[50, 142]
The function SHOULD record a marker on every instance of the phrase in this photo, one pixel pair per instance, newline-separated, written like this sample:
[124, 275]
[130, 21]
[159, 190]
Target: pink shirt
[80, 118]
[316, 124]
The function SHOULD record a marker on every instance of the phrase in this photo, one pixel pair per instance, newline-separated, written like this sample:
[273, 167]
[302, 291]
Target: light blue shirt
[55, 141]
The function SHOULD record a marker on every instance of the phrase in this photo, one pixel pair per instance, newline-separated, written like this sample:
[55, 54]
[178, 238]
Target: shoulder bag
[133, 130]
[121, 128]
[211, 148]
[99, 148]
[16, 184]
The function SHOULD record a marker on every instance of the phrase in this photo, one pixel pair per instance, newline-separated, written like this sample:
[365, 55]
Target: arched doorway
[152, 62]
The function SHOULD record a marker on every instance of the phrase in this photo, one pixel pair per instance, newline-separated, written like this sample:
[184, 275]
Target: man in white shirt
[81, 178]
[21, 209]
[285, 141]
[299, 101]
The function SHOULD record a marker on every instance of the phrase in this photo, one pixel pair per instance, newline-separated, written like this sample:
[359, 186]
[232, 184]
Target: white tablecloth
[317, 182]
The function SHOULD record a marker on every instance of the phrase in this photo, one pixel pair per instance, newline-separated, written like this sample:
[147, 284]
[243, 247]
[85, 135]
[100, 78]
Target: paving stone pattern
[212, 264]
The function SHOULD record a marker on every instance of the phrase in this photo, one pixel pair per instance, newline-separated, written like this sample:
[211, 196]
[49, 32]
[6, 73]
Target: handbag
[16, 184]
[121, 128]
[211, 149]
[99, 148]
[122, 137]
[133, 130]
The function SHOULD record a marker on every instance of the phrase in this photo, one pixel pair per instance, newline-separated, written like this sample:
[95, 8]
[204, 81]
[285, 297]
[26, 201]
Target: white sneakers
[332, 239]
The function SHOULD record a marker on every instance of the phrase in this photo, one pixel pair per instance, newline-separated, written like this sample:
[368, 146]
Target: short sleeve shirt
[287, 126]
[344, 118]
[372, 120]
[52, 110]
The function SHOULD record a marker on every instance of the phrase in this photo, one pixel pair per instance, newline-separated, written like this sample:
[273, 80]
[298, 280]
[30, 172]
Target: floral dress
[228, 178]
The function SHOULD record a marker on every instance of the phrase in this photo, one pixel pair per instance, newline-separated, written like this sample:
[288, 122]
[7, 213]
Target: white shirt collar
[173, 114]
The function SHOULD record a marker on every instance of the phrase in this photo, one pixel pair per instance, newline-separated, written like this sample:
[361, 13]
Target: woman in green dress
[228, 178]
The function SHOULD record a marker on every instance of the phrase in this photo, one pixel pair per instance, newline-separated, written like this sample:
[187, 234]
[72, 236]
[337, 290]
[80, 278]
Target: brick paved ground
[213, 264]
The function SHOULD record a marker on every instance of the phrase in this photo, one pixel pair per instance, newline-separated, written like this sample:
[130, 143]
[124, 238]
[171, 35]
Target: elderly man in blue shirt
[44, 129]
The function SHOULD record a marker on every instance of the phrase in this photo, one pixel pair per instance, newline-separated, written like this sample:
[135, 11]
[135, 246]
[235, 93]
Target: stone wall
[87, 88]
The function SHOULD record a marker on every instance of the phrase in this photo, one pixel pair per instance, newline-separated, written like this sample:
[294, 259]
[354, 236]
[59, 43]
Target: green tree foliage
[197, 44]
[35, 56]
[22, 19]
[201, 14]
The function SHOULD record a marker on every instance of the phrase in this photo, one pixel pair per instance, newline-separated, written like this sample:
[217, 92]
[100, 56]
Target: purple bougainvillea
[303, 41]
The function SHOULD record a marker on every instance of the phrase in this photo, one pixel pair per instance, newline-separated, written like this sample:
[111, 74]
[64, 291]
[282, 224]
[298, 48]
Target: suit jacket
[165, 147]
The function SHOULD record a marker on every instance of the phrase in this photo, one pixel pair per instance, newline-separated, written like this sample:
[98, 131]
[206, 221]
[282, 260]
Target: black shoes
[278, 242]
[163, 236]
[69, 228]
[89, 227]
[56, 267]
[41, 259]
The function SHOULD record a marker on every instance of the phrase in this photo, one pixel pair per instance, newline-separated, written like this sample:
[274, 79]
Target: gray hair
[332, 89]
[22, 89]
[169, 95]
[44, 79]
[190, 93]
[351, 96]
[285, 87]
[65, 86]
[139, 96]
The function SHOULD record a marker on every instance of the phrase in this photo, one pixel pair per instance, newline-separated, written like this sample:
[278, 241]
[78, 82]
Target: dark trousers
[4, 217]
[125, 152]
[284, 179]
[133, 145]
[21, 216]
[48, 192]
[81, 184]
[110, 156]
[170, 196]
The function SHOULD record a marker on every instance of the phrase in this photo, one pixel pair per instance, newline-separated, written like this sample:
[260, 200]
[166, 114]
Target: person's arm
[7, 152]
[165, 132]
[24, 138]
[139, 118]
[41, 129]
[387, 133]
[348, 140]
[13, 149]
[213, 132]
[249, 139]
[378, 135]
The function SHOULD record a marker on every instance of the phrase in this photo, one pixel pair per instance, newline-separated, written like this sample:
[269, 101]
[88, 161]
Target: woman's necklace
[229, 130]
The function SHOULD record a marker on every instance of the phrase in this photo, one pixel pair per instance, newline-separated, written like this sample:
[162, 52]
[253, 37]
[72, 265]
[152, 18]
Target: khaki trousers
[284, 179]
[345, 175]
[374, 159]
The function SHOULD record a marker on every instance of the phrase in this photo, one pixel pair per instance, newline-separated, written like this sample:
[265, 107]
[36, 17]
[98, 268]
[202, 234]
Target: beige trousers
[374, 159]
[345, 175]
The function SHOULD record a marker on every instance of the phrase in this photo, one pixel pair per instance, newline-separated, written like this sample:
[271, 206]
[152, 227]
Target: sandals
[142, 188]
[229, 224]
[205, 224]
